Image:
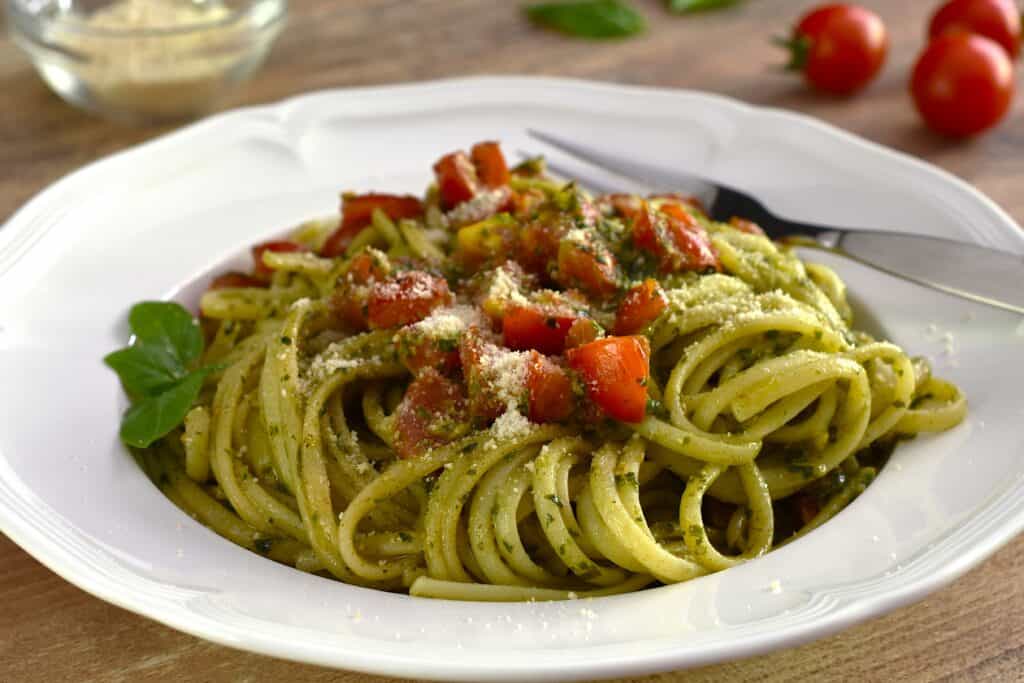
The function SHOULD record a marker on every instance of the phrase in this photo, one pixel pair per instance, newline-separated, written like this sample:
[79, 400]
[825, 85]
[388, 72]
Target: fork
[970, 271]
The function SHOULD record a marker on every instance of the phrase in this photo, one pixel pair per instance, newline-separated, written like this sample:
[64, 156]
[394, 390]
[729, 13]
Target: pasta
[511, 390]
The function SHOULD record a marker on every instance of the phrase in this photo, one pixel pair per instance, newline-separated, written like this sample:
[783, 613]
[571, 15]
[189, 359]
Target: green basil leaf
[589, 18]
[687, 6]
[145, 370]
[169, 327]
[155, 416]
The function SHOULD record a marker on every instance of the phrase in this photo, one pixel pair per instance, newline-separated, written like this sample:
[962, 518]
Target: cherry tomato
[550, 390]
[641, 306]
[615, 372]
[235, 279]
[998, 20]
[405, 298]
[962, 84]
[490, 164]
[839, 48]
[432, 412]
[543, 328]
[260, 270]
[357, 212]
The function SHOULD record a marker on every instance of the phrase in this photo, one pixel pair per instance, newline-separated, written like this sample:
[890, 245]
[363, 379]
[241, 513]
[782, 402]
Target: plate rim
[47, 551]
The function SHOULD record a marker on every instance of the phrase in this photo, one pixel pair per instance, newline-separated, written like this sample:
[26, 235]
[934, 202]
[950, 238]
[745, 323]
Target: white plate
[140, 224]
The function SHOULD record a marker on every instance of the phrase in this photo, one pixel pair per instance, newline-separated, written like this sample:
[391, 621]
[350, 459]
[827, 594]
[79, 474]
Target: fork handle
[967, 270]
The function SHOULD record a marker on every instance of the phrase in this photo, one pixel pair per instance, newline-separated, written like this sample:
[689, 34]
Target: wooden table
[972, 630]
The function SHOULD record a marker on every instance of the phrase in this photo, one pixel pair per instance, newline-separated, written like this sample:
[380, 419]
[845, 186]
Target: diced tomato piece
[675, 238]
[419, 351]
[405, 298]
[456, 179]
[583, 331]
[366, 266]
[349, 301]
[490, 164]
[432, 413]
[357, 212]
[474, 352]
[692, 241]
[641, 306]
[615, 371]
[743, 225]
[648, 233]
[589, 265]
[625, 206]
[678, 198]
[260, 269]
[543, 328]
[235, 279]
[538, 244]
[550, 390]
[357, 209]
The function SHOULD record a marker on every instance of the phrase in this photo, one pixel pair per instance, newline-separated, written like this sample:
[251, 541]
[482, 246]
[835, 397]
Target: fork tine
[654, 177]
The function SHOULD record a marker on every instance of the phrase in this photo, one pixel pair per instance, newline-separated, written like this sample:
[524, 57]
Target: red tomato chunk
[235, 279]
[432, 413]
[543, 328]
[406, 298]
[615, 372]
[640, 307]
[456, 179]
[550, 390]
[490, 164]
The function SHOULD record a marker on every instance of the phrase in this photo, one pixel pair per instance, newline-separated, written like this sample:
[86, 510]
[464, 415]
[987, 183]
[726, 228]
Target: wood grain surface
[972, 630]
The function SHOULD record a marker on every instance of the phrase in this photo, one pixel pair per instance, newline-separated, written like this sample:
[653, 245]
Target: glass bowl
[145, 60]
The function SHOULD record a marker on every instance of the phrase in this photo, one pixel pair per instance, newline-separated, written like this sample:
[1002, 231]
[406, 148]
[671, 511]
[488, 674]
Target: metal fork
[988, 276]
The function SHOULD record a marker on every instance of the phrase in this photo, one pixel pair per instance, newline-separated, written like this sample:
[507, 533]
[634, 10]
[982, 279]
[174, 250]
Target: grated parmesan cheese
[504, 288]
[324, 365]
[510, 425]
[477, 208]
[448, 322]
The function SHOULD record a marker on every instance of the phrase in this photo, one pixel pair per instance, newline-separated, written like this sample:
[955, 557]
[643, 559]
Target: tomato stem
[799, 48]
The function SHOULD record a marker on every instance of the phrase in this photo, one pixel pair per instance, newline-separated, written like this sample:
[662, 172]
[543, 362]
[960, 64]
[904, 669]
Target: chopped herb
[554, 499]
